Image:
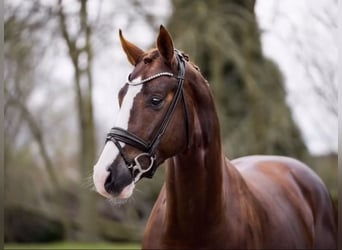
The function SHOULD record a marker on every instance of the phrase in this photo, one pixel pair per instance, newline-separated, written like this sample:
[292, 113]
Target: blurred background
[271, 65]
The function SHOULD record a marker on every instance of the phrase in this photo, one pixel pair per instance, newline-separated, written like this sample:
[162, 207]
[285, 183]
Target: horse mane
[187, 58]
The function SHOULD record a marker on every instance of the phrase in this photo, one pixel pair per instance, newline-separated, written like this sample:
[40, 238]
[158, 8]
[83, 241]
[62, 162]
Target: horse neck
[194, 178]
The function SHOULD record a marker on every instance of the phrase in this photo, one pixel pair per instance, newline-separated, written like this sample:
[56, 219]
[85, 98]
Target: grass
[72, 245]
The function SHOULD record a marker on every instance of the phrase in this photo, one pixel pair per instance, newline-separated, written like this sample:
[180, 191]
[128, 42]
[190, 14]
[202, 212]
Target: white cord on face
[150, 78]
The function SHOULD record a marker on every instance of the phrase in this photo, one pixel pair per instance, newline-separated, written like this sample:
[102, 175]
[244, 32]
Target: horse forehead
[128, 104]
[145, 67]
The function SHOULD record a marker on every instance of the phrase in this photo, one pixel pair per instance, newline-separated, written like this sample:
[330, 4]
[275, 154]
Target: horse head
[153, 121]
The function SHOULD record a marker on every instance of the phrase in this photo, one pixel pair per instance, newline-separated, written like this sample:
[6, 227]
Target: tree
[43, 134]
[308, 34]
[78, 45]
[24, 49]
[223, 39]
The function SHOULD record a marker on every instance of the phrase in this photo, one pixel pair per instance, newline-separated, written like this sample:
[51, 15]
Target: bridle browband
[117, 135]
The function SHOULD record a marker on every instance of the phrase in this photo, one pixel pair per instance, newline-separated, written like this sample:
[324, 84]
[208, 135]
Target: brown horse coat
[265, 202]
[253, 202]
[207, 201]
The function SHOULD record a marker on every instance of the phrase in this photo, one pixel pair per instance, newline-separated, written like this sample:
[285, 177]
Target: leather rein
[117, 134]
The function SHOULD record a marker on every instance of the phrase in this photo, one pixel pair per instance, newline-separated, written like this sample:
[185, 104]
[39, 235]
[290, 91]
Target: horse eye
[156, 102]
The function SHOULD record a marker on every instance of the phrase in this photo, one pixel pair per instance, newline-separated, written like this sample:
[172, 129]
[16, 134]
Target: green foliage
[327, 168]
[23, 225]
[26, 184]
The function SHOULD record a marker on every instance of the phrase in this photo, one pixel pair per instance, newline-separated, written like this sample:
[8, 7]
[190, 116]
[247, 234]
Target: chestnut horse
[167, 113]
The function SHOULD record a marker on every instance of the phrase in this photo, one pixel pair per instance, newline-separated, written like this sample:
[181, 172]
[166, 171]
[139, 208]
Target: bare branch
[37, 133]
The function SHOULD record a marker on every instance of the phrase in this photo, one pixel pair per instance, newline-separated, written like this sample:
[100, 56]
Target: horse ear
[132, 51]
[165, 44]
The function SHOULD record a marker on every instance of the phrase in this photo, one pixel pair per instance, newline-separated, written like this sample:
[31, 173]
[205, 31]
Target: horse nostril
[119, 177]
[109, 183]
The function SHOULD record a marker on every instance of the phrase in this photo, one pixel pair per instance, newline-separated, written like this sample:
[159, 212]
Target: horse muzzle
[112, 179]
[119, 182]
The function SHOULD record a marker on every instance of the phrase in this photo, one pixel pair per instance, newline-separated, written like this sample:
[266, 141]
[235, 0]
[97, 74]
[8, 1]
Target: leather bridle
[117, 134]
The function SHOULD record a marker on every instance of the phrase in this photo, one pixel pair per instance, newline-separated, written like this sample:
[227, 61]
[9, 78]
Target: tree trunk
[223, 38]
[83, 89]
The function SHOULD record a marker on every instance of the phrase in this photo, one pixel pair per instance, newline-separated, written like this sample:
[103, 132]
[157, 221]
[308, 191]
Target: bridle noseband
[117, 135]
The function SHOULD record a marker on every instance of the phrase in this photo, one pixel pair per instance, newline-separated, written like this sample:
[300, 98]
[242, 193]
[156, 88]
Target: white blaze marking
[100, 174]
[110, 151]
[127, 105]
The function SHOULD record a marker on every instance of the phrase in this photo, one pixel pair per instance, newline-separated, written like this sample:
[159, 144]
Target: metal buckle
[137, 165]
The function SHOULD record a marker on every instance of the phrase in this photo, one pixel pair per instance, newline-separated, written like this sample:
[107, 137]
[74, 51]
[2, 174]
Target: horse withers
[167, 113]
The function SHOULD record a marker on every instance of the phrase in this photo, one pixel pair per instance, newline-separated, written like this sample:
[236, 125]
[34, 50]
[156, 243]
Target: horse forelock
[146, 65]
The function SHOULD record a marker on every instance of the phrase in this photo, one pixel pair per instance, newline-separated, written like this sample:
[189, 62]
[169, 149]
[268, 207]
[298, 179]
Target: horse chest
[162, 232]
